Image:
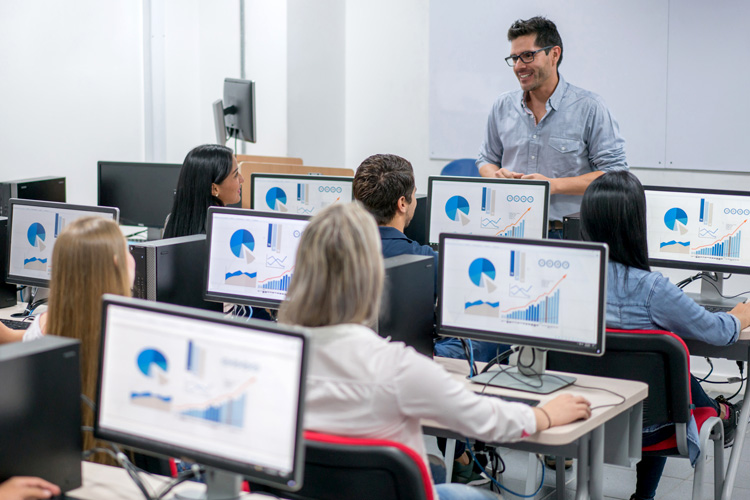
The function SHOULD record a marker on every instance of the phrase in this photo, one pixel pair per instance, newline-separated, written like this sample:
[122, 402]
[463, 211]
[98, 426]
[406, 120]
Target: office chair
[465, 167]
[661, 360]
[339, 468]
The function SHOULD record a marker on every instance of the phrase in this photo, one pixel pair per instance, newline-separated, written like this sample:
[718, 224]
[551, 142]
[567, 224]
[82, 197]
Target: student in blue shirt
[613, 211]
[384, 184]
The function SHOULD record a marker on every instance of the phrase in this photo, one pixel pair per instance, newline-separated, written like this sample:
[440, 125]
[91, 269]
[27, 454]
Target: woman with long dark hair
[613, 211]
[209, 177]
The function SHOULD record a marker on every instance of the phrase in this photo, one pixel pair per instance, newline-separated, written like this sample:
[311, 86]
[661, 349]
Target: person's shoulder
[578, 94]
[509, 98]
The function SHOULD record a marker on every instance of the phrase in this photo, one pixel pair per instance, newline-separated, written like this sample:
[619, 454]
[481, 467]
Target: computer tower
[417, 228]
[38, 188]
[40, 410]
[172, 271]
[407, 307]
[572, 226]
[8, 295]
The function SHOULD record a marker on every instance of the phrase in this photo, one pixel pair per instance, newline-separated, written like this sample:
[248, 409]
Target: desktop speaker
[8, 296]
[572, 227]
[417, 228]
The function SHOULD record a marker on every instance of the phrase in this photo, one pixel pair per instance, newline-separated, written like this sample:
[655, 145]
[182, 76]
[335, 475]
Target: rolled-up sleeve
[606, 145]
[491, 150]
[427, 390]
[673, 310]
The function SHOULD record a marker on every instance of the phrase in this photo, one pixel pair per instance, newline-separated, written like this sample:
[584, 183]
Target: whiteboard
[615, 49]
[708, 108]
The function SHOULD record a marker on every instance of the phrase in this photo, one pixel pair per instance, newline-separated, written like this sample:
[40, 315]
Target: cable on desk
[495, 481]
[602, 389]
[499, 358]
[469, 353]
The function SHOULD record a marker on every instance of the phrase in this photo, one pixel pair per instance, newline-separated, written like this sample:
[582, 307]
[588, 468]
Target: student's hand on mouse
[27, 488]
[566, 408]
[742, 311]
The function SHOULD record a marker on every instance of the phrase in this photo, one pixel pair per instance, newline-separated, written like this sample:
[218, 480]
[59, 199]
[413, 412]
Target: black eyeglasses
[526, 57]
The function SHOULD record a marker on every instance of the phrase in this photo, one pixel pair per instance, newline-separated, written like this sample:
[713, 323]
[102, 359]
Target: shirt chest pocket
[564, 146]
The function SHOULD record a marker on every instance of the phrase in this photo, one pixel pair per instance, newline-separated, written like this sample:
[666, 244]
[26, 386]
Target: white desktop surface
[102, 482]
[633, 392]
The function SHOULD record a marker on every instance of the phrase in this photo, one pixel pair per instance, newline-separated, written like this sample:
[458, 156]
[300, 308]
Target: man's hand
[27, 488]
[504, 173]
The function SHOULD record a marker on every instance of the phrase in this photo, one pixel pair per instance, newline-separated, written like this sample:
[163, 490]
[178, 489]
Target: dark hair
[203, 166]
[544, 29]
[613, 211]
[380, 181]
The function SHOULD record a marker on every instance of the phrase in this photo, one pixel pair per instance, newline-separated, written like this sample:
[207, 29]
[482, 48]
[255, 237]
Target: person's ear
[214, 189]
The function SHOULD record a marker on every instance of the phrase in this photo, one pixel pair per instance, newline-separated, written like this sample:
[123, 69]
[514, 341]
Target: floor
[619, 483]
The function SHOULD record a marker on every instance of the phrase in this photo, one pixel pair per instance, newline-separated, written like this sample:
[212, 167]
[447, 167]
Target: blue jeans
[483, 351]
[455, 491]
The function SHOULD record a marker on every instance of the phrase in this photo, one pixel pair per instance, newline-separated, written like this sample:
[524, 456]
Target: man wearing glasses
[549, 129]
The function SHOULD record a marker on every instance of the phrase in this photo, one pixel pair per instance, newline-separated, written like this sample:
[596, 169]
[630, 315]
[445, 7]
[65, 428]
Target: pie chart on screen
[482, 273]
[152, 362]
[276, 199]
[242, 244]
[36, 235]
[457, 209]
[676, 219]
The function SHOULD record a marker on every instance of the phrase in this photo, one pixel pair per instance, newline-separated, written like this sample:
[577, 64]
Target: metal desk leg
[739, 440]
[450, 453]
[584, 471]
[560, 477]
[531, 472]
[596, 460]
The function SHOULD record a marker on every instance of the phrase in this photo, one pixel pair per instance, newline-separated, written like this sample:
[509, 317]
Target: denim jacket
[638, 299]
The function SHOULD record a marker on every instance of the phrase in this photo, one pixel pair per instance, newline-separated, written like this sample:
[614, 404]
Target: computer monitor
[34, 227]
[251, 255]
[144, 192]
[545, 294]
[702, 230]
[298, 194]
[488, 207]
[225, 393]
[235, 115]
[40, 411]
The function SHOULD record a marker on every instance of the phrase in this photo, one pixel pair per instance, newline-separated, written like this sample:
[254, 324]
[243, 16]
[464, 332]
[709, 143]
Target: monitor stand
[527, 376]
[220, 485]
[37, 297]
[710, 294]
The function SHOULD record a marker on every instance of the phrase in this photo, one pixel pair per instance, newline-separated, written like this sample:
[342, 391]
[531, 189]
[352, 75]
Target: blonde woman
[90, 258]
[361, 385]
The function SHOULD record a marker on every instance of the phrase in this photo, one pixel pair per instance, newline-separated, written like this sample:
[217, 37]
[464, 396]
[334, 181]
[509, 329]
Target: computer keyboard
[511, 399]
[16, 325]
[715, 309]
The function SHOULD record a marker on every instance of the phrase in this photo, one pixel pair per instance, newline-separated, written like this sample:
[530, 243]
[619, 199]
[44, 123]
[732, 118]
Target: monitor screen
[225, 393]
[34, 227]
[536, 293]
[698, 229]
[143, 192]
[488, 207]
[251, 255]
[298, 194]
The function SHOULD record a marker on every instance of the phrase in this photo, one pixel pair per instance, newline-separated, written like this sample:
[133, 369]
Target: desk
[102, 482]
[739, 351]
[611, 435]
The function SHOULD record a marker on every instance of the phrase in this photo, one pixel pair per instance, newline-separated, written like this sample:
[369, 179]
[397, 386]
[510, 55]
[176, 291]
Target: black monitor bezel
[300, 177]
[239, 109]
[203, 458]
[99, 200]
[489, 181]
[505, 338]
[23, 280]
[695, 266]
[231, 298]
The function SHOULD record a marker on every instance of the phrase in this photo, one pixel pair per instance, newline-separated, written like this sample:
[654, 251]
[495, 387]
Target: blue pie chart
[454, 205]
[274, 197]
[673, 216]
[150, 357]
[481, 267]
[36, 232]
[241, 238]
